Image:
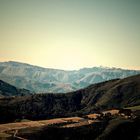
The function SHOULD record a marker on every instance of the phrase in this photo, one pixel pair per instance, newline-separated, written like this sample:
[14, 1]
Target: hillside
[9, 90]
[111, 94]
[42, 80]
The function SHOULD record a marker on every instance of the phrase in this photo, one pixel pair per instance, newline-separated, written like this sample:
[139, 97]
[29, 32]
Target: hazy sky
[71, 34]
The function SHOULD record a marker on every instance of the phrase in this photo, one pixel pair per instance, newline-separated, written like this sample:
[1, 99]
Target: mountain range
[42, 80]
[117, 93]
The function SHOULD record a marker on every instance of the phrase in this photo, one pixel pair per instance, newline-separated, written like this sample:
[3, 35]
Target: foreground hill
[111, 94]
[43, 80]
[9, 90]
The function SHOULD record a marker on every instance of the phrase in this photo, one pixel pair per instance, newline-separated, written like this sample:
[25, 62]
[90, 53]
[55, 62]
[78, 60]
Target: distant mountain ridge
[48, 80]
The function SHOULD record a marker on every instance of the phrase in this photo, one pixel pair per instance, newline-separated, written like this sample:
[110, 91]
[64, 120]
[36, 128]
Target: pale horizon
[71, 34]
[70, 69]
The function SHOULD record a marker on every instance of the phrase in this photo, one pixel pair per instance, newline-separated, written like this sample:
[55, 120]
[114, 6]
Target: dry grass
[73, 119]
[93, 116]
[82, 123]
[113, 111]
[30, 124]
[75, 122]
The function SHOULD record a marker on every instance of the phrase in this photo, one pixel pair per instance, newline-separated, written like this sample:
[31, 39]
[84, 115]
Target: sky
[71, 34]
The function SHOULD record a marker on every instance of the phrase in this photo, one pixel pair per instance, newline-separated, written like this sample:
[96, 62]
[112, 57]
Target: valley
[102, 111]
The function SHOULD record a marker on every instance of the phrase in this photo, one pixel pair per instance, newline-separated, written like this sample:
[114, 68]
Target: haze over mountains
[42, 80]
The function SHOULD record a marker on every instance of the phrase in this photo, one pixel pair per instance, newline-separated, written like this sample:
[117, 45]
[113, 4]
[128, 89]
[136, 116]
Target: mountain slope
[43, 80]
[9, 90]
[111, 94]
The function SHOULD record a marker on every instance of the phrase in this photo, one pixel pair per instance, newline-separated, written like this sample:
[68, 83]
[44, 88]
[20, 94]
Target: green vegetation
[133, 108]
[4, 136]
